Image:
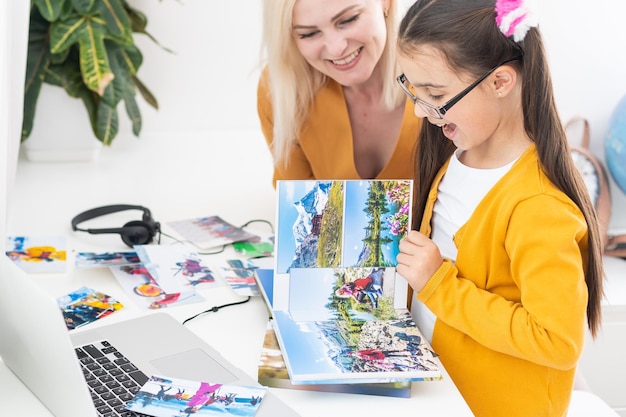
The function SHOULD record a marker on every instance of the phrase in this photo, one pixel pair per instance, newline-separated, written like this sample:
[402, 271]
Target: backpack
[595, 176]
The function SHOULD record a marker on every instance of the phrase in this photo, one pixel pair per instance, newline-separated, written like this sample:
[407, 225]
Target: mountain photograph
[352, 223]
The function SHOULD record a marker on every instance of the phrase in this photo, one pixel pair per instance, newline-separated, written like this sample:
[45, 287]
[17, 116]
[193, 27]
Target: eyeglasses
[439, 112]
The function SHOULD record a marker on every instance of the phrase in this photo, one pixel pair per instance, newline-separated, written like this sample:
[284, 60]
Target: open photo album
[339, 308]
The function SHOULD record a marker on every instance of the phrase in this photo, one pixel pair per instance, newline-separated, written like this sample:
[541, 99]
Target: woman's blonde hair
[293, 83]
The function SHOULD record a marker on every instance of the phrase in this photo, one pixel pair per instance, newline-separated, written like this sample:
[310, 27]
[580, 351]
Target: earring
[386, 12]
[499, 93]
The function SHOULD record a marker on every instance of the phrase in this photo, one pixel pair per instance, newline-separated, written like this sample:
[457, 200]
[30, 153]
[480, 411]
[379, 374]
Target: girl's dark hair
[466, 33]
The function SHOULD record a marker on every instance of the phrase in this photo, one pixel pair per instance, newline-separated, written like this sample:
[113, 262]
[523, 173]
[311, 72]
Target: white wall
[210, 81]
[586, 44]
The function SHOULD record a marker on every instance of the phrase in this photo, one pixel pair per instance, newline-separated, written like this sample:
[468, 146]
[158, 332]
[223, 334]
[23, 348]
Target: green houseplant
[87, 48]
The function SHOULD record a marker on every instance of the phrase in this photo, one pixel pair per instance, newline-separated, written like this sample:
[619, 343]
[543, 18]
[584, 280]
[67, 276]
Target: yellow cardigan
[511, 311]
[324, 148]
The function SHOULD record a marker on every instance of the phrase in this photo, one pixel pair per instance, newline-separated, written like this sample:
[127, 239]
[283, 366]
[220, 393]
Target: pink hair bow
[515, 17]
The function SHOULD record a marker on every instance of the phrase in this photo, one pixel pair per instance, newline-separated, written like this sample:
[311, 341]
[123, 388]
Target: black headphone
[137, 232]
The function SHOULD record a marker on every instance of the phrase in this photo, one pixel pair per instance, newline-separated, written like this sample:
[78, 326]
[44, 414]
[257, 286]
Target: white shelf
[603, 362]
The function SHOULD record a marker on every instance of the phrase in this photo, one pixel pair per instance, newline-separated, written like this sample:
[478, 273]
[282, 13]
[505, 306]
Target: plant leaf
[67, 10]
[38, 52]
[69, 77]
[139, 21]
[145, 93]
[133, 112]
[121, 82]
[90, 100]
[66, 72]
[94, 61]
[60, 57]
[117, 20]
[30, 103]
[54, 75]
[49, 9]
[89, 33]
[129, 58]
[112, 94]
[38, 59]
[124, 86]
[107, 123]
[83, 6]
[65, 33]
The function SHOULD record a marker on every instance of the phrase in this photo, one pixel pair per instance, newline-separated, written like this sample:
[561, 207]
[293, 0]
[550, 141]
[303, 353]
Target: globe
[615, 145]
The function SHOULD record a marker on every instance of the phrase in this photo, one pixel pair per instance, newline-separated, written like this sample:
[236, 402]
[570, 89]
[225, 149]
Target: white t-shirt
[460, 191]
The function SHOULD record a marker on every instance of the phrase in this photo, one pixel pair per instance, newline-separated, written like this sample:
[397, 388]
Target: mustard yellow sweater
[511, 311]
[324, 149]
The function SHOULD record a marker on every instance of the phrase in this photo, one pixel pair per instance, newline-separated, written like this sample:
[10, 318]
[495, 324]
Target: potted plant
[87, 48]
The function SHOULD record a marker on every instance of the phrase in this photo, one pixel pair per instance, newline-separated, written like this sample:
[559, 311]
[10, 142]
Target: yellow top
[324, 148]
[511, 311]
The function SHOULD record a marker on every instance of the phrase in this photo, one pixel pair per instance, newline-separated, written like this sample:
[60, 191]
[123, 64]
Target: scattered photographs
[37, 254]
[239, 274]
[169, 397]
[86, 305]
[177, 268]
[95, 260]
[255, 248]
[146, 292]
[166, 276]
[209, 232]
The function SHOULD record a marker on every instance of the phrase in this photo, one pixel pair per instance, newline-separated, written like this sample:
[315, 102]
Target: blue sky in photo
[354, 224]
[309, 289]
[307, 353]
[288, 193]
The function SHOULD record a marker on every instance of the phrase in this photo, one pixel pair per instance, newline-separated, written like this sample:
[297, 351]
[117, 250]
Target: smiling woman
[327, 102]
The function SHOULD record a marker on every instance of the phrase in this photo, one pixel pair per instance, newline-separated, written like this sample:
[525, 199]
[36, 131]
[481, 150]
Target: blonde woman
[327, 100]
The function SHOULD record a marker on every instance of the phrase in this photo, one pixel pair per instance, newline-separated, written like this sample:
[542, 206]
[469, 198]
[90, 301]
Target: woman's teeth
[347, 59]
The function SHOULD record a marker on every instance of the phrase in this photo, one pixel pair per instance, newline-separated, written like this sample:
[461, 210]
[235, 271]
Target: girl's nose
[420, 112]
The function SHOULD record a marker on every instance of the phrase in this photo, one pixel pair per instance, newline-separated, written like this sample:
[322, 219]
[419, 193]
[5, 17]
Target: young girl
[507, 263]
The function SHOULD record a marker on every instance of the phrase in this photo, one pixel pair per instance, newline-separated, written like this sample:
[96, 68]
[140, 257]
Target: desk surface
[178, 176]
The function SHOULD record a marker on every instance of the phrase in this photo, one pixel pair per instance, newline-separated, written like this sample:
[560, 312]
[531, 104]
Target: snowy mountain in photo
[312, 204]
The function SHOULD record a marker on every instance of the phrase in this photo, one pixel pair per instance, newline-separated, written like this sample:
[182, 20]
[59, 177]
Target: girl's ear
[505, 79]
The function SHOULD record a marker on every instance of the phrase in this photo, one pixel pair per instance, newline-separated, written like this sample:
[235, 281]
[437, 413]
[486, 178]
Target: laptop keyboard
[112, 379]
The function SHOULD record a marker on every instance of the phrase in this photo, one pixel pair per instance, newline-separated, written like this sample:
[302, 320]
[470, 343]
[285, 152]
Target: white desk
[179, 176]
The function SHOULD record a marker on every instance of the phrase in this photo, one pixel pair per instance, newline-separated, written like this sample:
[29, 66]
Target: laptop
[36, 345]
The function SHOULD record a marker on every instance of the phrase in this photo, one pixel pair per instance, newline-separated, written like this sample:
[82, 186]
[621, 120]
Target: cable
[213, 253]
[166, 235]
[214, 309]
[259, 221]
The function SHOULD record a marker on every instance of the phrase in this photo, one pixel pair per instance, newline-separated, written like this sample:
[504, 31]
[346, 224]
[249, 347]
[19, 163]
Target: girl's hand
[418, 260]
